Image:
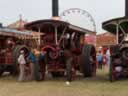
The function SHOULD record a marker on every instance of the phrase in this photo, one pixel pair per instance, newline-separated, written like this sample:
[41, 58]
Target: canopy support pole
[117, 33]
[56, 38]
[39, 37]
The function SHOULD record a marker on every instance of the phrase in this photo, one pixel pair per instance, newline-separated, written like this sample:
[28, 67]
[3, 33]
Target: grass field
[98, 86]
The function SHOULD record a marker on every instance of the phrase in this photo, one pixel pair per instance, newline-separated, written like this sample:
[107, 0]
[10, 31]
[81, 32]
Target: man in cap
[22, 63]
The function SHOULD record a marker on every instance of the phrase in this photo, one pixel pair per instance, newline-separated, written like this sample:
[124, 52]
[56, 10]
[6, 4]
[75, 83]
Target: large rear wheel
[88, 61]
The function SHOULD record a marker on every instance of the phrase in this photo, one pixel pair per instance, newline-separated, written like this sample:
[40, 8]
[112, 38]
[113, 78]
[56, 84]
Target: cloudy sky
[100, 10]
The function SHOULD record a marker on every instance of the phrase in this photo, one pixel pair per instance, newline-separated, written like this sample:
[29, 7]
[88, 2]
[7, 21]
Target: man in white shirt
[108, 56]
[22, 64]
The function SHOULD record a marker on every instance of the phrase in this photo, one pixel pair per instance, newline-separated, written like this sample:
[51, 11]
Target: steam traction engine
[10, 46]
[119, 52]
[64, 48]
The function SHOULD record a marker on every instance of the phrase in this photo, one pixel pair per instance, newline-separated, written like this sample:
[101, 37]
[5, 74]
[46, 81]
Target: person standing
[22, 64]
[32, 61]
[104, 60]
[99, 59]
[108, 57]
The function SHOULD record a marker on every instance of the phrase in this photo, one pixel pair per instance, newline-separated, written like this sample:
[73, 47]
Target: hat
[22, 51]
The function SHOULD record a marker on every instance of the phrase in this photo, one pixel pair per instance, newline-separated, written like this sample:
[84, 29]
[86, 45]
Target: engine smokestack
[126, 8]
[55, 8]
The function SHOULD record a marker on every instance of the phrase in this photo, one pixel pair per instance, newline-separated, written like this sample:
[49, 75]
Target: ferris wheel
[79, 17]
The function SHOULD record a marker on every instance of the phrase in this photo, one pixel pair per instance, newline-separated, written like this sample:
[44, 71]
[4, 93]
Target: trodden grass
[98, 86]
